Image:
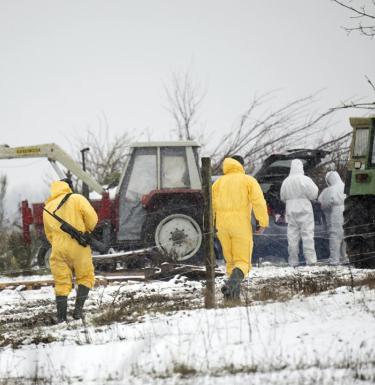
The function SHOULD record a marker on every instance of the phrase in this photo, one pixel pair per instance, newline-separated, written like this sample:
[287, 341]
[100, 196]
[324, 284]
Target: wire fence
[265, 234]
[320, 262]
[196, 209]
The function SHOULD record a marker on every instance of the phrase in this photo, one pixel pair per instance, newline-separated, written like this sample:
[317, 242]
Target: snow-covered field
[295, 326]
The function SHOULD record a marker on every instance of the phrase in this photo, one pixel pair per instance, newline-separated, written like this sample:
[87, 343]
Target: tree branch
[362, 13]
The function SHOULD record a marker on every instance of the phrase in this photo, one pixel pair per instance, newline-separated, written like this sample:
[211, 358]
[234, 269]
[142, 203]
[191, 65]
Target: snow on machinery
[359, 214]
[157, 204]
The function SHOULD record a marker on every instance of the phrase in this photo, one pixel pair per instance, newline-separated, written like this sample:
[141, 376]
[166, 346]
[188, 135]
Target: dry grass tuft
[131, 308]
[284, 288]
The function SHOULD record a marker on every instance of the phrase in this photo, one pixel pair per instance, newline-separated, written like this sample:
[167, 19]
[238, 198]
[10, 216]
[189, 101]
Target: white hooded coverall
[332, 201]
[297, 191]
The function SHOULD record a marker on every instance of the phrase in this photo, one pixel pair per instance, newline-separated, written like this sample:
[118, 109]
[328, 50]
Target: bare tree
[3, 190]
[338, 148]
[184, 98]
[107, 155]
[261, 132]
[363, 14]
[372, 85]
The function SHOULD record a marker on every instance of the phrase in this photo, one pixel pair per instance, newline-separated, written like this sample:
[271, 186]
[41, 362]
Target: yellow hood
[232, 166]
[58, 188]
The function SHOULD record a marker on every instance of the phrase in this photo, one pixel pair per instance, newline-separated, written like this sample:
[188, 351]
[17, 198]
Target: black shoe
[232, 287]
[82, 294]
[62, 307]
[225, 289]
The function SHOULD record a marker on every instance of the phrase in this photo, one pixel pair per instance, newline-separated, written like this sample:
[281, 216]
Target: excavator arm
[54, 154]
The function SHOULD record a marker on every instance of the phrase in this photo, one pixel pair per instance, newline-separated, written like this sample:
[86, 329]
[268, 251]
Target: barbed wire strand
[165, 244]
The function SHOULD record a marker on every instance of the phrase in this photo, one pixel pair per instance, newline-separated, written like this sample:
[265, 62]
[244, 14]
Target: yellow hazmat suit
[68, 256]
[234, 196]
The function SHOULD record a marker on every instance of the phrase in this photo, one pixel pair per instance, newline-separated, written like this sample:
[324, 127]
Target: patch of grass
[179, 369]
[41, 339]
[300, 283]
[231, 369]
[184, 371]
[17, 341]
[367, 281]
[13, 342]
[26, 381]
[131, 308]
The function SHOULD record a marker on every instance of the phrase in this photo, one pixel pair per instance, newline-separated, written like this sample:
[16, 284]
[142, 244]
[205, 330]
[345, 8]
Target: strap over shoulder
[66, 197]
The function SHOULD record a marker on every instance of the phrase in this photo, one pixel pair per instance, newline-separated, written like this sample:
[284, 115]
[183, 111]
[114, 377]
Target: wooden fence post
[208, 234]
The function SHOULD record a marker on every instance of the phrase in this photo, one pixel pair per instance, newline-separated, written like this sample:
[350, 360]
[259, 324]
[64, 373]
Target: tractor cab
[161, 180]
[359, 179]
[359, 214]
[158, 202]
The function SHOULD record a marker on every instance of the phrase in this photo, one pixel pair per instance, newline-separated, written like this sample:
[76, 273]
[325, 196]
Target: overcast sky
[65, 63]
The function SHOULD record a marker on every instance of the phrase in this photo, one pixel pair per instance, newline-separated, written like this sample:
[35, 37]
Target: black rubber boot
[62, 307]
[232, 287]
[82, 294]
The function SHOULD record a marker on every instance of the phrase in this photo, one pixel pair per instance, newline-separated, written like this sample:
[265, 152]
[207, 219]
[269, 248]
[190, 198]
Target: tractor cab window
[174, 171]
[361, 142]
[142, 173]
[140, 179]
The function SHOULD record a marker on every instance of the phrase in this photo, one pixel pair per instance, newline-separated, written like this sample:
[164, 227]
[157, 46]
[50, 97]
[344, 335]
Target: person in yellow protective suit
[234, 196]
[68, 256]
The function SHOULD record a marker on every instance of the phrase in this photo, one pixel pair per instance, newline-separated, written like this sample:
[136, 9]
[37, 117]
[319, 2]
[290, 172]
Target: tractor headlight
[362, 178]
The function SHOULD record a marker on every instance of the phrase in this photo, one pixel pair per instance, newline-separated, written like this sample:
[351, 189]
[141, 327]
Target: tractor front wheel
[359, 229]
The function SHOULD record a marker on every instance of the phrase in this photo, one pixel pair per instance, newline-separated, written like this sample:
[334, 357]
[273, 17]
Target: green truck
[359, 214]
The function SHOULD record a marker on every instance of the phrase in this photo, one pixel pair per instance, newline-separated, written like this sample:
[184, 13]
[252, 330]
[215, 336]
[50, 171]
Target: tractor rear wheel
[359, 229]
[176, 233]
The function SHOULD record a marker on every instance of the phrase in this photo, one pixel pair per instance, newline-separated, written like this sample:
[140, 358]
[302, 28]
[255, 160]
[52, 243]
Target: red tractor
[157, 203]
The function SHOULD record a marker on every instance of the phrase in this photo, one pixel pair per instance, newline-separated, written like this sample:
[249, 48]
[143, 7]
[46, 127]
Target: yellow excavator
[54, 154]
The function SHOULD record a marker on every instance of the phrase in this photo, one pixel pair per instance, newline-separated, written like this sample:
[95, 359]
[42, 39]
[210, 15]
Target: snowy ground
[296, 326]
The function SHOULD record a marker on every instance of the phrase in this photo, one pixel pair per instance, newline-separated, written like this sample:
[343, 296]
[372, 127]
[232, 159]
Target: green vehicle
[359, 214]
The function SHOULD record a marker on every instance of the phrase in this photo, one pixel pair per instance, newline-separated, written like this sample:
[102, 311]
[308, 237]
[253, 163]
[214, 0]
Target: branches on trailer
[261, 131]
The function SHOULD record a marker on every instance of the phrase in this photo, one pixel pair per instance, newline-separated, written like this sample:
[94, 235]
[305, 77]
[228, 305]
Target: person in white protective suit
[332, 201]
[297, 191]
